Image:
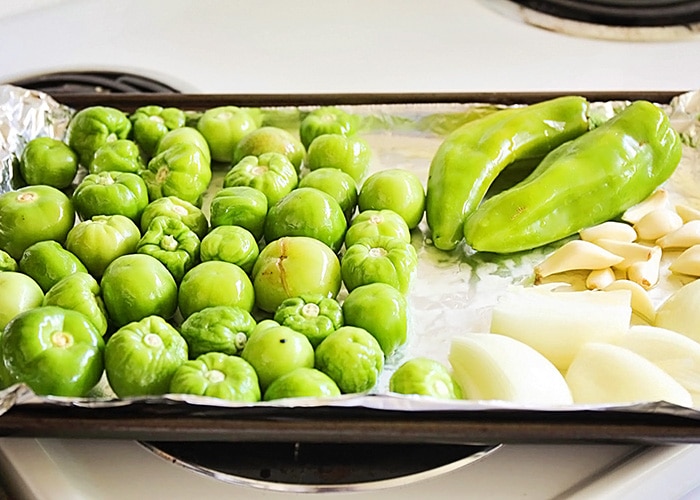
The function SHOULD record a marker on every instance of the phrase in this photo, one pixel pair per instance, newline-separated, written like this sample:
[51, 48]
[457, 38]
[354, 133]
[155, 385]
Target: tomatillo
[185, 134]
[18, 293]
[31, 214]
[136, 286]
[92, 127]
[271, 173]
[232, 244]
[326, 120]
[217, 329]
[396, 189]
[292, 266]
[425, 377]
[122, 155]
[215, 283]
[217, 375]
[307, 212]
[48, 262]
[48, 161]
[176, 208]
[151, 123]
[351, 155]
[142, 357]
[374, 223]
[223, 127]
[271, 140]
[315, 316]
[80, 292]
[380, 309]
[7, 263]
[55, 351]
[174, 244]
[302, 383]
[100, 240]
[341, 186]
[240, 206]
[111, 193]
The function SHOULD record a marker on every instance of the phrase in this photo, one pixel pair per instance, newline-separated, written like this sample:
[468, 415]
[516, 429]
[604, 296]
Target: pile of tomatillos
[120, 257]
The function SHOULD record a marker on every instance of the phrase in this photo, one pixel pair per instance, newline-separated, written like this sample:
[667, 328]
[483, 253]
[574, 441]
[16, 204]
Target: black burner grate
[88, 82]
[640, 13]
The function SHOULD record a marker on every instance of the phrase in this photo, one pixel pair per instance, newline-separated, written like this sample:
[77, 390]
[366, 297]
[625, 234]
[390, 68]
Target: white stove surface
[336, 46]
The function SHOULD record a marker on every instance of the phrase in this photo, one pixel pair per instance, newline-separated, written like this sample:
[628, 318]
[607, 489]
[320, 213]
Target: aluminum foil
[24, 115]
[453, 292]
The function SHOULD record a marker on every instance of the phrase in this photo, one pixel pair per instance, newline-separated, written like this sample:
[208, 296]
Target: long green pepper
[470, 159]
[584, 182]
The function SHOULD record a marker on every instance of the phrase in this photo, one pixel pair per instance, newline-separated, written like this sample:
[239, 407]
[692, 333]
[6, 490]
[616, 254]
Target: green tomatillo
[232, 244]
[302, 383]
[326, 120]
[7, 263]
[48, 262]
[315, 316]
[55, 351]
[271, 140]
[351, 155]
[18, 293]
[48, 161]
[142, 357]
[425, 377]
[217, 375]
[151, 123]
[381, 259]
[111, 193]
[394, 189]
[31, 214]
[92, 127]
[100, 240]
[174, 244]
[176, 208]
[185, 134]
[217, 329]
[240, 206]
[223, 127]
[374, 223]
[341, 186]
[271, 173]
[80, 292]
[122, 155]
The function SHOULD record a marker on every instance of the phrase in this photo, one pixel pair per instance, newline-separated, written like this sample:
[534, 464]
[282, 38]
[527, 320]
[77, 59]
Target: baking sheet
[453, 293]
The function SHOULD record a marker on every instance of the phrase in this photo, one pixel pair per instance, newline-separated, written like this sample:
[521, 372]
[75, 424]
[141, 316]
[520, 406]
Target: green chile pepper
[31, 214]
[582, 183]
[175, 208]
[80, 292]
[55, 351]
[471, 157]
[382, 259]
[181, 170]
[92, 127]
[100, 240]
[121, 155]
[271, 173]
[142, 357]
[223, 329]
[217, 375]
[271, 140]
[151, 123]
[326, 120]
[316, 316]
[7, 263]
[48, 161]
[111, 193]
[232, 244]
[172, 243]
[240, 206]
[48, 263]
[372, 223]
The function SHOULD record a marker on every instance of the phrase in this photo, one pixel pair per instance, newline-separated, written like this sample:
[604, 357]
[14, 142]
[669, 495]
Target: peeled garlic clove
[630, 252]
[576, 254]
[646, 273]
[611, 230]
[598, 279]
[688, 213]
[641, 303]
[687, 262]
[488, 366]
[684, 237]
[657, 223]
[657, 199]
[605, 373]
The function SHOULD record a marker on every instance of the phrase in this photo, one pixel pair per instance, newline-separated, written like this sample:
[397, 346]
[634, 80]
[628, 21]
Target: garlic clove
[657, 199]
[631, 252]
[576, 254]
[610, 230]
[657, 223]
[688, 213]
[687, 262]
[641, 303]
[684, 237]
[646, 273]
[598, 279]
